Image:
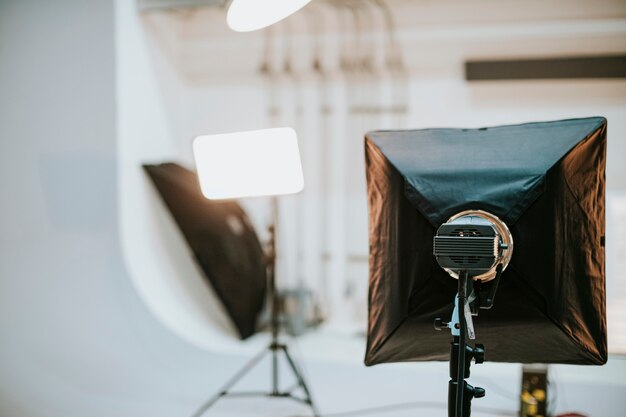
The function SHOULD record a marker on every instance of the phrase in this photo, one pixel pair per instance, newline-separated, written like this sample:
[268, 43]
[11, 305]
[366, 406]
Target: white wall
[75, 339]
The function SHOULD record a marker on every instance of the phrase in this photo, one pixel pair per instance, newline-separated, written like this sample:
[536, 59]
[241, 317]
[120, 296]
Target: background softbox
[222, 240]
[546, 182]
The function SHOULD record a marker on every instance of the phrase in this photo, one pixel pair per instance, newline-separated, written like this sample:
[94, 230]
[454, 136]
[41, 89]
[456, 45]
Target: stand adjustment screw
[440, 324]
[479, 353]
[478, 392]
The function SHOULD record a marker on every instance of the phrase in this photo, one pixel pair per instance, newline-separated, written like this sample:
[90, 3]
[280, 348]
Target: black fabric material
[546, 181]
[223, 241]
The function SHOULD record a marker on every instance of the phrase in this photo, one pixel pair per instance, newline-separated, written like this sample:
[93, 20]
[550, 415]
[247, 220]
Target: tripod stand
[275, 348]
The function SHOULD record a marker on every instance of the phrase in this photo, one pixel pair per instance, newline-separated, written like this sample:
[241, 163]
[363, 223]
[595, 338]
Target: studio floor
[343, 387]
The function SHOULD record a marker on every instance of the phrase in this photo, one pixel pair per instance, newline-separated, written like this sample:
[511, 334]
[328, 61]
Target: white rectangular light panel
[247, 164]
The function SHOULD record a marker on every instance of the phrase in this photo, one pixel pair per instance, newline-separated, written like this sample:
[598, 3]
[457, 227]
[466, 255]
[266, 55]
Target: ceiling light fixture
[249, 15]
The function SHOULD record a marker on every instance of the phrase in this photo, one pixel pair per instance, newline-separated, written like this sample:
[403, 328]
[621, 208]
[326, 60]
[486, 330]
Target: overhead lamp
[249, 15]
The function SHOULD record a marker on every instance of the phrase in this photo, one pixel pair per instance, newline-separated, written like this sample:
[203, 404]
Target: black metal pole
[274, 321]
[460, 377]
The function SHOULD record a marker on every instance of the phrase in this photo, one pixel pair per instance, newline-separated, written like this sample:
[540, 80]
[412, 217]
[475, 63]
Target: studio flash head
[475, 241]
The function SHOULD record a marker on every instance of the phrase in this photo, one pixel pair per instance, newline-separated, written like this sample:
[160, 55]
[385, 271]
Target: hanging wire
[365, 60]
[349, 47]
[358, 39]
[316, 26]
[396, 66]
[267, 71]
[288, 68]
[394, 59]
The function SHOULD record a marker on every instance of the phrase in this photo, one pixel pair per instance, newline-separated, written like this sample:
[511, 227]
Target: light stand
[275, 347]
[472, 244]
[460, 393]
[246, 164]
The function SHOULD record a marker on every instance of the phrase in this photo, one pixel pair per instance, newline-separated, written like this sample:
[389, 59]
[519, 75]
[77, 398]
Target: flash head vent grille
[475, 241]
[467, 251]
[465, 231]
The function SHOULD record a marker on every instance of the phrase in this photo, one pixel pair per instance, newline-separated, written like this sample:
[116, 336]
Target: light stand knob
[474, 392]
[440, 324]
[479, 353]
[478, 392]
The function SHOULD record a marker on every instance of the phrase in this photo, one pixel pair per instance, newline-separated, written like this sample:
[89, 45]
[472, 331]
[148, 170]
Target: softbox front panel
[546, 181]
[222, 240]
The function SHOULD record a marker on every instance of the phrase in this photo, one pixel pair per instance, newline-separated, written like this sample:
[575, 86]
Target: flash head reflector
[475, 241]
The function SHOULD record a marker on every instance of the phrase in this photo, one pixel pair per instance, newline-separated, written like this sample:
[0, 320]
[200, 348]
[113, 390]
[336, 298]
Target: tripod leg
[275, 390]
[242, 372]
[301, 381]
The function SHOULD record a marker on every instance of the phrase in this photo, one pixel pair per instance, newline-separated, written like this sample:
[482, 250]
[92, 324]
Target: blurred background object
[248, 164]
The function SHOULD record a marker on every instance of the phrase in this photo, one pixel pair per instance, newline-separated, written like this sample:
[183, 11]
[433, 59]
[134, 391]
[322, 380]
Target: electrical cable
[552, 397]
[410, 406]
[402, 406]
[494, 387]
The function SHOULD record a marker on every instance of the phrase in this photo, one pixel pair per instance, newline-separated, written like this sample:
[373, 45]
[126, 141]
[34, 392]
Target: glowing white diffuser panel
[249, 15]
[246, 164]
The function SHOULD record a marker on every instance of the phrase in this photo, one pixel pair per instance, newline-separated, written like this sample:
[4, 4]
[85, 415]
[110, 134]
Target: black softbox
[222, 240]
[546, 182]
